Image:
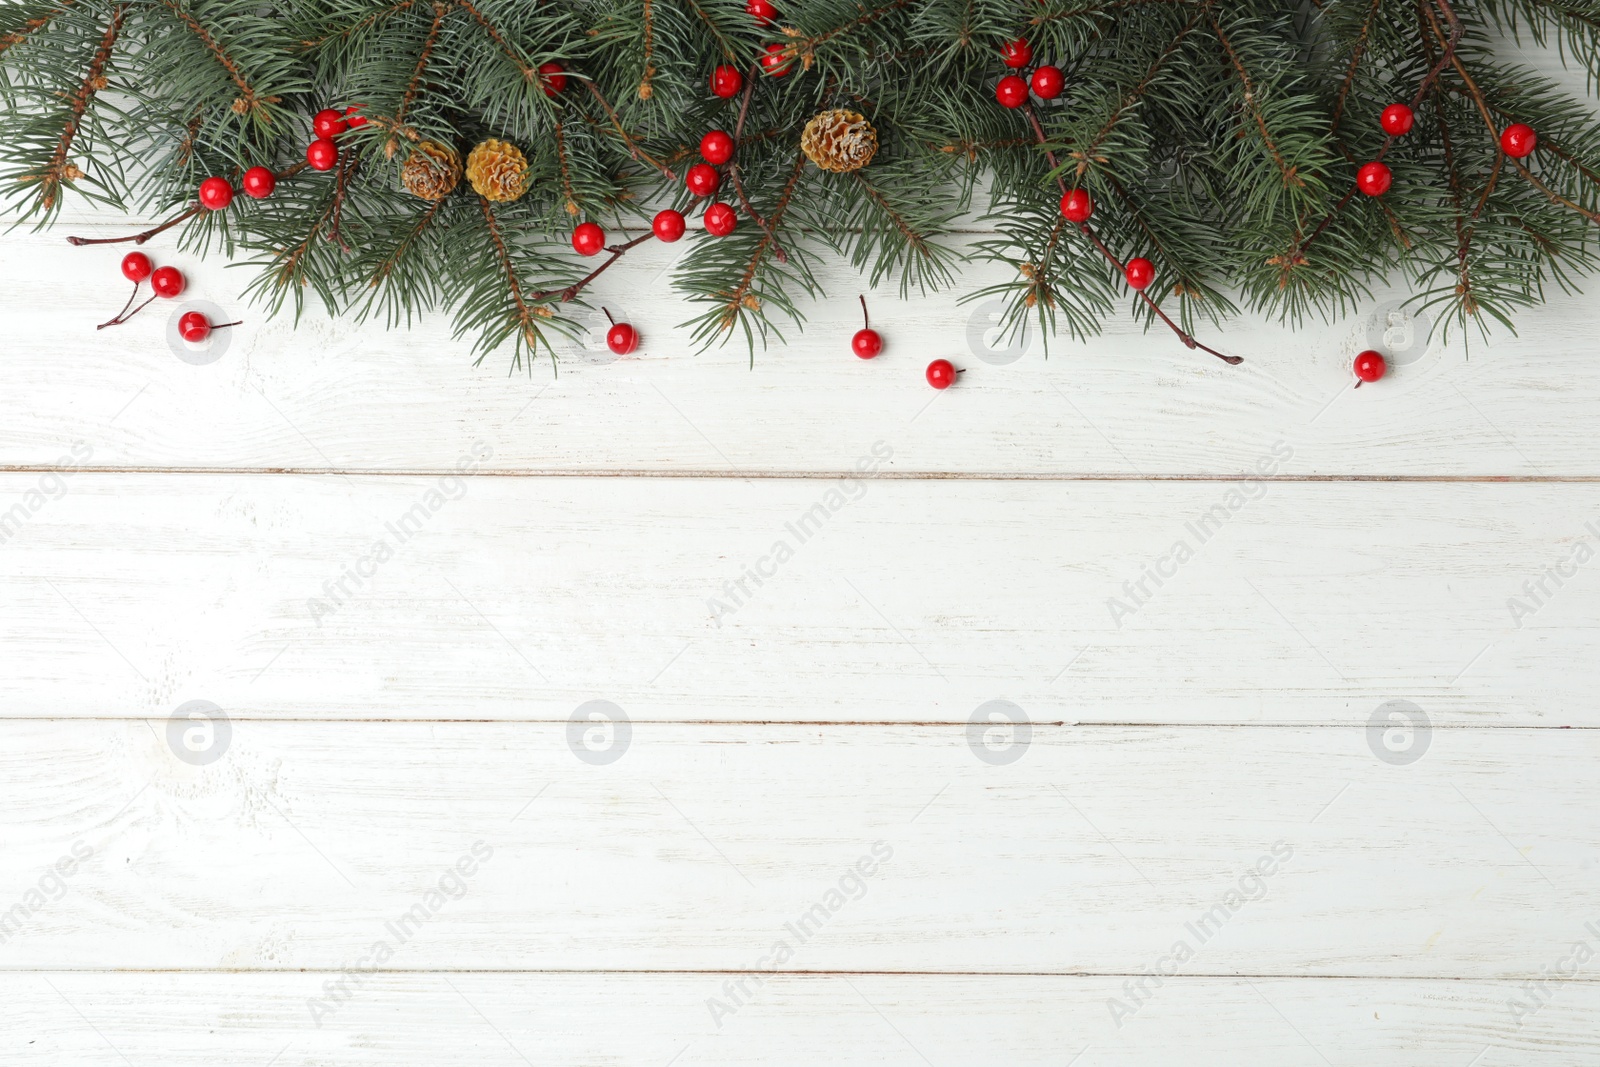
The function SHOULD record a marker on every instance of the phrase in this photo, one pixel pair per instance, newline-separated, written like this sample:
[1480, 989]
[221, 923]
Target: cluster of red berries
[1077, 206]
[258, 183]
[1012, 90]
[727, 82]
[867, 343]
[1517, 141]
[165, 282]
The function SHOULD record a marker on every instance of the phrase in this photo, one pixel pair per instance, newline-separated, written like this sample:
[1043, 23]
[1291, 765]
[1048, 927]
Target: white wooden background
[1429, 897]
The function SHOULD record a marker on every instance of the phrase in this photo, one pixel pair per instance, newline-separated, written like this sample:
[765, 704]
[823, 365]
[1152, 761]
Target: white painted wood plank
[521, 598]
[1288, 851]
[899, 1021]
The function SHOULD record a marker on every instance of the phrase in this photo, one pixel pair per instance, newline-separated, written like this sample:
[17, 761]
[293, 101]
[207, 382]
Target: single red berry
[1077, 205]
[353, 116]
[775, 62]
[552, 78]
[1016, 54]
[716, 147]
[1048, 82]
[588, 239]
[1370, 366]
[193, 327]
[329, 123]
[1374, 178]
[761, 11]
[136, 267]
[1141, 272]
[726, 82]
[216, 193]
[1012, 91]
[167, 281]
[1397, 120]
[622, 338]
[702, 179]
[322, 154]
[1518, 141]
[668, 225]
[866, 343]
[720, 220]
[258, 182]
[941, 374]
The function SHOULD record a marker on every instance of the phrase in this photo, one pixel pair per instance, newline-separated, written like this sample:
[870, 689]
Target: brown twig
[347, 167]
[33, 26]
[571, 292]
[248, 101]
[193, 210]
[733, 166]
[740, 295]
[124, 315]
[529, 72]
[59, 170]
[639, 154]
[525, 315]
[440, 9]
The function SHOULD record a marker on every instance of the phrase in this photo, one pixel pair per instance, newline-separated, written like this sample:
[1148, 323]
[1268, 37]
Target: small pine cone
[497, 170]
[839, 140]
[431, 171]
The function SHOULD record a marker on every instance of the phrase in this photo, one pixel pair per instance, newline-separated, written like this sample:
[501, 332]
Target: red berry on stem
[702, 179]
[1141, 272]
[1370, 366]
[761, 11]
[622, 338]
[1077, 205]
[1048, 82]
[193, 327]
[726, 82]
[716, 147]
[588, 239]
[216, 193]
[322, 154]
[353, 116]
[1012, 91]
[720, 220]
[775, 62]
[668, 225]
[867, 342]
[1397, 120]
[941, 374]
[329, 123]
[167, 281]
[1016, 54]
[1374, 178]
[136, 267]
[1518, 141]
[258, 182]
[552, 78]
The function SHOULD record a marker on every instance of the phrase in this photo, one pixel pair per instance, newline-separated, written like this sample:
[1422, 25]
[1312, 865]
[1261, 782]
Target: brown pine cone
[497, 170]
[431, 171]
[839, 140]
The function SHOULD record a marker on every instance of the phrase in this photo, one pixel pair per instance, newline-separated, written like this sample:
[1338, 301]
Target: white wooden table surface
[400, 577]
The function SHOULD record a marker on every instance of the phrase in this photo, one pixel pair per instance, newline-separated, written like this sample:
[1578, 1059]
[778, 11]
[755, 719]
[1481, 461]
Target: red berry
[1048, 82]
[588, 239]
[1141, 272]
[1012, 91]
[1374, 178]
[720, 220]
[668, 225]
[866, 343]
[1397, 120]
[716, 147]
[775, 62]
[322, 154]
[258, 182]
[761, 11]
[329, 123]
[193, 327]
[216, 193]
[702, 179]
[136, 267]
[1370, 366]
[1016, 54]
[167, 281]
[941, 374]
[552, 78]
[726, 82]
[1077, 205]
[353, 117]
[622, 338]
[1518, 141]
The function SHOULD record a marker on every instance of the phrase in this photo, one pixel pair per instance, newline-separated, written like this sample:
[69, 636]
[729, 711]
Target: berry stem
[124, 315]
[571, 291]
[194, 209]
[609, 319]
[733, 166]
[866, 324]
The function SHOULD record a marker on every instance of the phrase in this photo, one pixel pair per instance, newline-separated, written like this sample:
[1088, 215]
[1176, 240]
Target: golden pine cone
[497, 170]
[431, 171]
[839, 140]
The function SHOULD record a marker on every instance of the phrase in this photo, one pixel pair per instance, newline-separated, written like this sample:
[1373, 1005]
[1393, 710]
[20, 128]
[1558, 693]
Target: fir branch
[247, 102]
[440, 9]
[1252, 104]
[525, 315]
[634, 150]
[33, 26]
[529, 72]
[1355, 61]
[735, 302]
[60, 170]
[364, 23]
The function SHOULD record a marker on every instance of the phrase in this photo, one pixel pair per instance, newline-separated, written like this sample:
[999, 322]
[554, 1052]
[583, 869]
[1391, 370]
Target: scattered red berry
[622, 338]
[167, 281]
[1370, 366]
[720, 220]
[761, 11]
[726, 82]
[867, 342]
[702, 179]
[353, 117]
[668, 225]
[193, 327]
[716, 147]
[552, 78]
[329, 123]
[258, 182]
[1077, 205]
[1016, 54]
[775, 62]
[941, 374]
[1141, 272]
[1374, 178]
[216, 193]
[136, 267]
[322, 154]
[1012, 91]
[1518, 141]
[1397, 120]
[588, 239]
[1048, 82]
